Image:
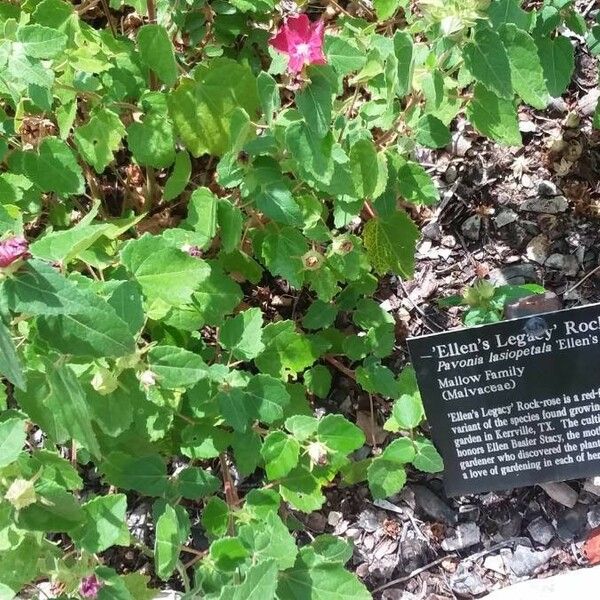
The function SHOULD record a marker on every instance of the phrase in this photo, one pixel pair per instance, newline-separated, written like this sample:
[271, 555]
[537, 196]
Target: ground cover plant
[197, 203]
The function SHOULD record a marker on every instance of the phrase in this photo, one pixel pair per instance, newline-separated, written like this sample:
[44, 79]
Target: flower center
[303, 50]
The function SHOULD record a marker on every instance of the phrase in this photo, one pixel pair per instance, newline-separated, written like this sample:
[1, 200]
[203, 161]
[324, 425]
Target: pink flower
[302, 41]
[12, 249]
[90, 586]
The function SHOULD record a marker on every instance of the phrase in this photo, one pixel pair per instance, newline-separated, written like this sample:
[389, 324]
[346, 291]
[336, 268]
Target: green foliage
[206, 233]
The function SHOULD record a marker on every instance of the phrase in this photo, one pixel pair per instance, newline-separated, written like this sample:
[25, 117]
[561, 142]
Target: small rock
[566, 263]
[451, 174]
[316, 522]
[432, 231]
[471, 228]
[398, 594]
[560, 492]
[467, 583]
[593, 517]
[554, 205]
[514, 275]
[465, 535]
[558, 105]
[414, 552]
[592, 486]
[541, 531]
[433, 506]
[505, 217]
[494, 562]
[353, 533]
[168, 595]
[587, 104]
[537, 249]
[449, 241]
[571, 523]
[368, 520]
[334, 518]
[469, 512]
[524, 561]
[547, 188]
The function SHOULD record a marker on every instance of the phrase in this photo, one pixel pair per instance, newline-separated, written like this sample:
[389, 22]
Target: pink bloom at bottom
[302, 41]
[90, 586]
[12, 249]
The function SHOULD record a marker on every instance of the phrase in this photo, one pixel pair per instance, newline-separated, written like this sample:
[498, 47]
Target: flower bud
[12, 249]
[342, 245]
[317, 453]
[21, 493]
[312, 260]
[104, 382]
[147, 378]
[90, 586]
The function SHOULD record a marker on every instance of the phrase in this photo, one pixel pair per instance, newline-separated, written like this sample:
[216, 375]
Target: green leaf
[280, 453]
[314, 103]
[339, 435]
[342, 55]
[558, 63]
[385, 9]
[431, 132]
[204, 441]
[202, 215]
[41, 42]
[242, 334]
[55, 510]
[167, 543]
[486, 59]
[286, 351]
[164, 272]
[68, 403]
[100, 138]
[10, 365]
[282, 250]
[323, 581]
[407, 412]
[156, 52]
[318, 380]
[503, 12]
[369, 169]
[275, 200]
[385, 478]
[64, 246]
[494, 117]
[427, 458]
[104, 525]
[266, 397]
[228, 553]
[260, 584]
[179, 178]
[194, 483]
[95, 330]
[12, 439]
[400, 451]
[390, 243]
[144, 474]
[596, 118]
[218, 296]
[526, 71]
[201, 108]
[215, 517]
[377, 379]
[152, 143]
[403, 50]
[176, 367]
[270, 539]
[53, 168]
[302, 490]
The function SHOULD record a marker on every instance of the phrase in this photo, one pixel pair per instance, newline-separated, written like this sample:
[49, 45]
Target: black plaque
[514, 403]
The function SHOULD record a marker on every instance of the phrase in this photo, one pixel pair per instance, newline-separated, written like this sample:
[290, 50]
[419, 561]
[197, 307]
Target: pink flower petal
[300, 26]
[12, 249]
[280, 41]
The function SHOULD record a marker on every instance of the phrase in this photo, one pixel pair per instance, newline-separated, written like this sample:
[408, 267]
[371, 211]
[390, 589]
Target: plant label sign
[514, 403]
